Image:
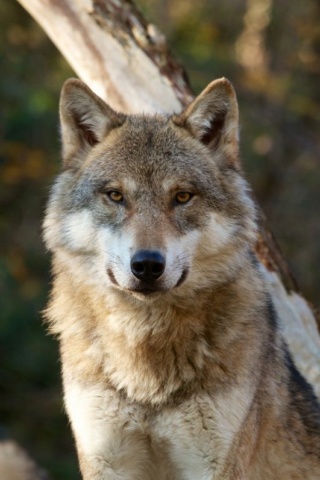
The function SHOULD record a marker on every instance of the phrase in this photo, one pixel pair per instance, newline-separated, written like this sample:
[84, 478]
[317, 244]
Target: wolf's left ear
[213, 117]
[85, 120]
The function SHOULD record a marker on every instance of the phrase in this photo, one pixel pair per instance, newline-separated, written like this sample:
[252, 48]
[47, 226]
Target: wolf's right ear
[85, 120]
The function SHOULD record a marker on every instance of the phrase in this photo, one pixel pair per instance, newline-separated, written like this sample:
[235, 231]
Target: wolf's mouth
[146, 291]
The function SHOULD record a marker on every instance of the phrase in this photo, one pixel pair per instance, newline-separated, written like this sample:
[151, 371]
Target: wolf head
[150, 204]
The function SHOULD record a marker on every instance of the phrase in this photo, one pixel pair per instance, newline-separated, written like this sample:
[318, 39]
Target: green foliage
[269, 50]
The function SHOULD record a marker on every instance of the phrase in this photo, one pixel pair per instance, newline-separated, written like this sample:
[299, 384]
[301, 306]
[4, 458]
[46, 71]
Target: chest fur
[149, 353]
[188, 441]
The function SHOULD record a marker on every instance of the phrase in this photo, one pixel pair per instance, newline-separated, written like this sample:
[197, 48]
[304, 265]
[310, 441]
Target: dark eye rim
[178, 202]
[108, 194]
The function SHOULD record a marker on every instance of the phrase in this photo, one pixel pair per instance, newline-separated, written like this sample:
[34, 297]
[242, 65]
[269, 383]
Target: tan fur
[186, 376]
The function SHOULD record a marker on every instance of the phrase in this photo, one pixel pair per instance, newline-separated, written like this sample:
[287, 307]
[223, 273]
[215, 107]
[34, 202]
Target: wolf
[172, 360]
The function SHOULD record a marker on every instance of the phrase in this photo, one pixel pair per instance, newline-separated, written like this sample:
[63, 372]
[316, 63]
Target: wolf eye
[115, 196]
[183, 197]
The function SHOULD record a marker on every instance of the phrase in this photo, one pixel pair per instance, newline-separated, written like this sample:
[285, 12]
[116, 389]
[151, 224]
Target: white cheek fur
[217, 233]
[180, 252]
[117, 253]
[80, 231]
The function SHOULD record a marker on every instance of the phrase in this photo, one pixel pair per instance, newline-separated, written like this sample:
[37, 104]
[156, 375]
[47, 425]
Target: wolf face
[143, 202]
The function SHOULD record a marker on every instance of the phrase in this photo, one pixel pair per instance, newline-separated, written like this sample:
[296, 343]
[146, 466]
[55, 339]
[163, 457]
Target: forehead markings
[129, 184]
[170, 184]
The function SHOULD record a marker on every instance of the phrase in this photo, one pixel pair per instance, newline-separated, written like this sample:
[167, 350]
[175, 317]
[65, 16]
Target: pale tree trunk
[110, 46]
[125, 60]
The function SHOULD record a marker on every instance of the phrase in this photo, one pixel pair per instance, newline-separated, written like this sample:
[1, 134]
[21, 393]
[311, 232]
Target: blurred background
[270, 51]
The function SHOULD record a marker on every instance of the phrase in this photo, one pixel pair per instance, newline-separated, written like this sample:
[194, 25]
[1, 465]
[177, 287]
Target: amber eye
[115, 196]
[183, 197]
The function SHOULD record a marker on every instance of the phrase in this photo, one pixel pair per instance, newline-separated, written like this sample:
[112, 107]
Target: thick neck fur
[150, 350]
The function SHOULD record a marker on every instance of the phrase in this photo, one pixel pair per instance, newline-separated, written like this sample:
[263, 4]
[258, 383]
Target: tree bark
[126, 61]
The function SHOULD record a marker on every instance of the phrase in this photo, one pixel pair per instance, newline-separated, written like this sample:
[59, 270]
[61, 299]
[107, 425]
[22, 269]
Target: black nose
[147, 265]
